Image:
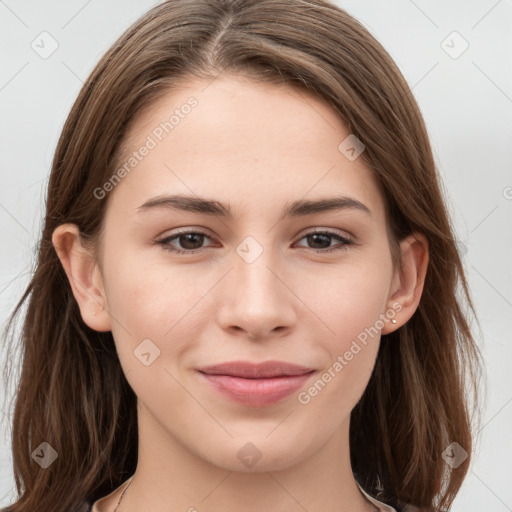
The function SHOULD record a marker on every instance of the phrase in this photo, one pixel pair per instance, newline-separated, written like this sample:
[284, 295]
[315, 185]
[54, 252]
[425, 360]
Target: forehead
[241, 141]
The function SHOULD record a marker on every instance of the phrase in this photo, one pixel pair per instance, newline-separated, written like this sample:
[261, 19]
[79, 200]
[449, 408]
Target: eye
[191, 241]
[322, 237]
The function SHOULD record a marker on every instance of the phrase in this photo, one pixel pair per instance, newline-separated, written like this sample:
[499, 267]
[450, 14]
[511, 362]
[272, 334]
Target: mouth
[256, 384]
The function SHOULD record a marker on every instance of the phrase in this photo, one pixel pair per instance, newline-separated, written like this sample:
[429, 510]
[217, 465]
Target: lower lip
[257, 392]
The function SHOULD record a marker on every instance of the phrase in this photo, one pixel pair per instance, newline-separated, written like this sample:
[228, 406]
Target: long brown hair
[72, 392]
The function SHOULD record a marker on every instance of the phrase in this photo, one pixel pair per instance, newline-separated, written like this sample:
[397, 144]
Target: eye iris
[186, 236]
[315, 236]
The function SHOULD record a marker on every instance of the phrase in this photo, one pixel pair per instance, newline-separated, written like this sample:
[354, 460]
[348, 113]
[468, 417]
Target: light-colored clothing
[381, 506]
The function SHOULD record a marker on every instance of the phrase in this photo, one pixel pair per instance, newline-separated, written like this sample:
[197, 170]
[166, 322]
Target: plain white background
[465, 95]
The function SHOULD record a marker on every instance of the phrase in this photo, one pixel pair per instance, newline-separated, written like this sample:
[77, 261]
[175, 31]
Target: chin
[257, 456]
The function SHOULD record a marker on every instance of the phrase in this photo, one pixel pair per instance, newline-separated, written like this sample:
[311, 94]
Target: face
[253, 282]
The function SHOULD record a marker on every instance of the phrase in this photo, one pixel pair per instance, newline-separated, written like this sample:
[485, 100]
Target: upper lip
[249, 370]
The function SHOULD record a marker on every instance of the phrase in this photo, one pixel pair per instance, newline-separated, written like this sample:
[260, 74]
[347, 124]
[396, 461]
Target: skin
[257, 147]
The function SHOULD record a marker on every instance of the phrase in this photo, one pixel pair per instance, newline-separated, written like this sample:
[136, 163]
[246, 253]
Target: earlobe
[83, 273]
[408, 284]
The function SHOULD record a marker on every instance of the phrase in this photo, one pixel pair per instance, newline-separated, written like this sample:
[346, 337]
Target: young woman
[246, 289]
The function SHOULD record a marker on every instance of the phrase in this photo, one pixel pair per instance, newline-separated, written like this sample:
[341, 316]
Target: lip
[256, 384]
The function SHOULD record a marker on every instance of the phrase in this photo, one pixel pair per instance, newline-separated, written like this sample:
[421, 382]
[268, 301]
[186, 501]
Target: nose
[258, 299]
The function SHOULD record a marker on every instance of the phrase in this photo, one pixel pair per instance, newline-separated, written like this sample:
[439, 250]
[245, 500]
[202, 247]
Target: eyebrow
[297, 208]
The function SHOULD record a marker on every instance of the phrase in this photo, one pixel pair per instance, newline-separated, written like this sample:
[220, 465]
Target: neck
[169, 475]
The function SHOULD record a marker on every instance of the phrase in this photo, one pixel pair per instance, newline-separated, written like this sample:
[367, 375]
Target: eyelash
[165, 242]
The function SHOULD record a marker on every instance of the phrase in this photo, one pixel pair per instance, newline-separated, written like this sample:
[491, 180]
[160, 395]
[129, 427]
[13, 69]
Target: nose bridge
[256, 267]
[257, 300]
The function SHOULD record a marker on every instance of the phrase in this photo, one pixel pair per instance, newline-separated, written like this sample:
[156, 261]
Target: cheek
[351, 307]
[155, 302]
[352, 301]
[350, 353]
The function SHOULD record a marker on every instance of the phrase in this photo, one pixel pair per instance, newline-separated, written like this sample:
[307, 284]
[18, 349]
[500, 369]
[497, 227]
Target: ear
[83, 272]
[407, 285]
